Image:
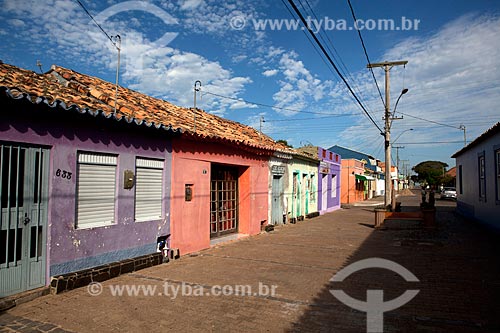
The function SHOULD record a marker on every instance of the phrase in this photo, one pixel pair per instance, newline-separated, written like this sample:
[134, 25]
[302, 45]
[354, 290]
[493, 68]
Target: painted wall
[191, 164]
[330, 167]
[349, 192]
[70, 249]
[468, 202]
[295, 203]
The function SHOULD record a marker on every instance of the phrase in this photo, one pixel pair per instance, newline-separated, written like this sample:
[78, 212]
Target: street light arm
[410, 129]
[404, 91]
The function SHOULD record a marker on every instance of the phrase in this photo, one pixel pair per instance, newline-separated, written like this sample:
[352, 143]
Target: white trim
[149, 163]
[95, 158]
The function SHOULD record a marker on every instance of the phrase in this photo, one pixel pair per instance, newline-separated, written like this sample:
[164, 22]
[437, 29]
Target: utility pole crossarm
[387, 63]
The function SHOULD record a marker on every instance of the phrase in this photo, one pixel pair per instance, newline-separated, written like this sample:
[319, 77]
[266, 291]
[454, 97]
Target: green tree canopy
[285, 143]
[430, 172]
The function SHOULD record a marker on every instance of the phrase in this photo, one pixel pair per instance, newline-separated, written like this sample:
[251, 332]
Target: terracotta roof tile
[93, 93]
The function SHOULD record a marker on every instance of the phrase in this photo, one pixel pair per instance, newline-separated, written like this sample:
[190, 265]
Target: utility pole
[260, 127]
[387, 129]
[462, 127]
[404, 166]
[397, 160]
[197, 90]
[118, 45]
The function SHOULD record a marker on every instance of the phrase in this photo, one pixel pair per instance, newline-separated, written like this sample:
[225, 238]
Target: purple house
[329, 179]
[81, 186]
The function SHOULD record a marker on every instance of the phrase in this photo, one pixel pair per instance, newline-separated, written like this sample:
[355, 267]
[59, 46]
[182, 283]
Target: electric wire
[332, 63]
[103, 31]
[320, 54]
[328, 42]
[366, 52]
[262, 104]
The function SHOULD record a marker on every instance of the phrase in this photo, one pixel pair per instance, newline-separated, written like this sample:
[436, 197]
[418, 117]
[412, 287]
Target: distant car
[449, 193]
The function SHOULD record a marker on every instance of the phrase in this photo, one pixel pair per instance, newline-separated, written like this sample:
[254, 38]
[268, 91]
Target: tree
[430, 172]
[284, 142]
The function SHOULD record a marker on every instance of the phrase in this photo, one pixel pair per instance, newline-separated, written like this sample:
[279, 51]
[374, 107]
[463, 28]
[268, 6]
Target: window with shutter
[96, 180]
[148, 189]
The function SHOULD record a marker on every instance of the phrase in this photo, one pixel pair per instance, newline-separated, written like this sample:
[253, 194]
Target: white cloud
[299, 89]
[270, 72]
[190, 4]
[157, 70]
[16, 23]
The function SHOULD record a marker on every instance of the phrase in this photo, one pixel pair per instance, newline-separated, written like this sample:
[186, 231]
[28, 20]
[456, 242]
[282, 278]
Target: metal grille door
[23, 217]
[277, 203]
[223, 201]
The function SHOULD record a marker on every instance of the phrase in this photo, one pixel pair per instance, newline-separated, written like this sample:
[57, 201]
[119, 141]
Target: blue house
[373, 172]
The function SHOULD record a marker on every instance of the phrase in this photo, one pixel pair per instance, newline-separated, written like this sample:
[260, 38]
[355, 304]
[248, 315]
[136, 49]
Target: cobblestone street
[458, 267]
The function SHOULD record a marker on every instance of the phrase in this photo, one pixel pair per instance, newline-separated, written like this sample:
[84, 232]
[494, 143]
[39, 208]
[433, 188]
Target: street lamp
[411, 129]
[397, 151]
[404, 91]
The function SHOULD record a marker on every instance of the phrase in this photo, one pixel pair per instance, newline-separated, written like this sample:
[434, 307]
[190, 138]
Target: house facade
[91, 177]
[218, 192]
[354, 188]
[478, 178]
[301, 192]
[374, 183]
[329, 182]
[279, 180]
[78, 190]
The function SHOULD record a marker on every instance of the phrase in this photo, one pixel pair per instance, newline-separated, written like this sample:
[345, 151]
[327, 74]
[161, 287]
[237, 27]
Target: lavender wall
[67, 132]
[333, 165]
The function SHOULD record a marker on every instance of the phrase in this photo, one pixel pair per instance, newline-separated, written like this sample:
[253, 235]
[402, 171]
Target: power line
[366, 53]
[262, 104]
[90, 15]
[312, 118]
[428, 120]
[332, 63]
[328, 42]
[429, 142]
[315, 47]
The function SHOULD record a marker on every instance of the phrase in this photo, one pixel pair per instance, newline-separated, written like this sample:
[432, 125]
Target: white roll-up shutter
[96, 187]
[148, 189]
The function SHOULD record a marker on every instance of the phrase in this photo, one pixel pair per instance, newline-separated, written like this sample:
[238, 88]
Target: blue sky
[453, 70]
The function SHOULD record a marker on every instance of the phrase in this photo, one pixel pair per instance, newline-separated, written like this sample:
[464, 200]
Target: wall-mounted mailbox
[128, 179]
[188, 192]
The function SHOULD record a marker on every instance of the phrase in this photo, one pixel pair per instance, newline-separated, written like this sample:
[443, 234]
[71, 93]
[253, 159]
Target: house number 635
[63, 174]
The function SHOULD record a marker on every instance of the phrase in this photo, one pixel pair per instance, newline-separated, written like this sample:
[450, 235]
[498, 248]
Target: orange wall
[349, 181]
[191, 164]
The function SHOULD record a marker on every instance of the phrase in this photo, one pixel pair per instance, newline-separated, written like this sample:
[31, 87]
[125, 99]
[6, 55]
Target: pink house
[219, 191]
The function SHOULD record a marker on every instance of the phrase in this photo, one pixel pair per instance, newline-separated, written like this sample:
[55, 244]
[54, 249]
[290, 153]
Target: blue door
[23, 217]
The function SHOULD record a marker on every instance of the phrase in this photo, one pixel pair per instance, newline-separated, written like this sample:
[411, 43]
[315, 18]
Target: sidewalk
[375, 201]
[458, 267]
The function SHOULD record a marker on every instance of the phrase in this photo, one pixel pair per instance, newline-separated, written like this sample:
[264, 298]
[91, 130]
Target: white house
[478, 178]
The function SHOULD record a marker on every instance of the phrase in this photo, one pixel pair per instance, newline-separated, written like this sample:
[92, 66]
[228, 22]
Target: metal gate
[23, 217]
[296, 194]
[223, 200]
[277, 203]
[324, 191]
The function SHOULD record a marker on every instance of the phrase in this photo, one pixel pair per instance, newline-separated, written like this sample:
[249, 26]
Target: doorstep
[226, 239]
[11, 301]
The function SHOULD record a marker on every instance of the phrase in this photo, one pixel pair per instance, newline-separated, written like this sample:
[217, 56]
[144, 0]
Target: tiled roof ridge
[69, 75]
[73, 76]
[92, 93]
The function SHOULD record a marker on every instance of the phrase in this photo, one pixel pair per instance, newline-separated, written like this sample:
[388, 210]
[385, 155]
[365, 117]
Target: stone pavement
[458, 267]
